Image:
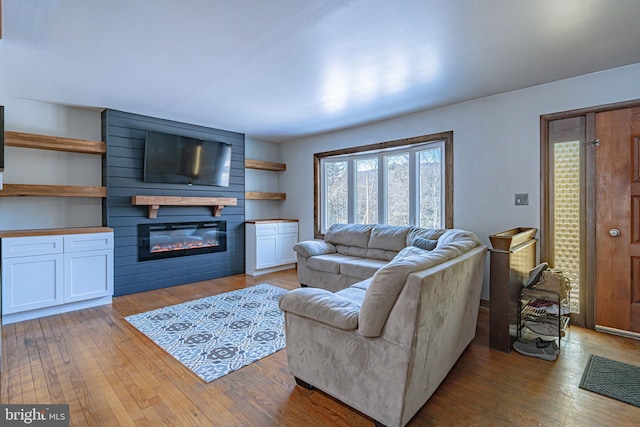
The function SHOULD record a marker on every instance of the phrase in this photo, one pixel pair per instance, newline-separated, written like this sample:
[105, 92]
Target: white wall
[29, 166]
[496, 149]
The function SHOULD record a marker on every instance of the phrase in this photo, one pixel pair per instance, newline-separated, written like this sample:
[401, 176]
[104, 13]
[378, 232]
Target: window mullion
[352, 190]
[414, 205]
[382, 190]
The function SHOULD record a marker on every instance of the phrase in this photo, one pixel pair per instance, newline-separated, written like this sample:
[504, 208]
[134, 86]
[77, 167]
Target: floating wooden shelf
[44, 142]
[17, 190]
[262, 165]
[260, 195]
[154, 202]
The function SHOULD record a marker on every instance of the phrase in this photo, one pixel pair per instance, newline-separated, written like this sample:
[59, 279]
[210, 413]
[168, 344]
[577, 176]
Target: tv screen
[179, 159]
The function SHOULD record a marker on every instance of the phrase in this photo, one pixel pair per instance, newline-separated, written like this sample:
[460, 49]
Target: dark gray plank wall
[124, 134]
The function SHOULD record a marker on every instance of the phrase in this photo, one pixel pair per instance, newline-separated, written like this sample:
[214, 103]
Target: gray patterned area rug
[216, 335]
[617, 380]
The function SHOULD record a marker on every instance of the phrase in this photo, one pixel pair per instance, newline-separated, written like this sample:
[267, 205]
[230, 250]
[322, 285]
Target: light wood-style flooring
[112, 375]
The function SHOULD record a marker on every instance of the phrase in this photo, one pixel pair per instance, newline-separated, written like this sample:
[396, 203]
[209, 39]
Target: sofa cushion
[314, 247]
[382, 294]
[351, 250]
[354, 294]
[361, 268]
[381, 254]
[388, 237]
[349, 234]
[329, 263]
[322, 306]
[364, 285]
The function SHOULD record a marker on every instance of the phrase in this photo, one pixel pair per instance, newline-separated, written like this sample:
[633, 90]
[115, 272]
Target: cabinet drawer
[88, 242]
[266, 229]
[288, 227]
[13, 247]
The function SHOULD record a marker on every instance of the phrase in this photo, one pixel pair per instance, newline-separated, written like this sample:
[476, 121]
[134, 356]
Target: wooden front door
[617, 207]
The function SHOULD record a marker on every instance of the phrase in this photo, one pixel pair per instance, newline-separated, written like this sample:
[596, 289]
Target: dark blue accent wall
[124, 135]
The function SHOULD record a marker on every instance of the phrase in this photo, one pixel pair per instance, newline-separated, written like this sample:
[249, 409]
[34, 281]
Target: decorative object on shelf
[216, 335]
[154, 203]
[513, 255]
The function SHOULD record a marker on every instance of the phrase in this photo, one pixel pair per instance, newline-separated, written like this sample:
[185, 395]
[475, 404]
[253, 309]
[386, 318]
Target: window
[406, 182]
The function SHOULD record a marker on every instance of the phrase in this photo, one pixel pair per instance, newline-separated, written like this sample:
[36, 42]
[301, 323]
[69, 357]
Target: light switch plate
[522, 199]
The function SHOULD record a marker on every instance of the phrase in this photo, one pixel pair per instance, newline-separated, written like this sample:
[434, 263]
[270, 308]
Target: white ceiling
[281, 69]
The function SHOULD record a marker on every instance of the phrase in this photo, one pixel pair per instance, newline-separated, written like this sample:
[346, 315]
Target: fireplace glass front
[169, 240]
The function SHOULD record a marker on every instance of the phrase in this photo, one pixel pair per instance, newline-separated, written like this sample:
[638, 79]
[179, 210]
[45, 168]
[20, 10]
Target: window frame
[446, 138]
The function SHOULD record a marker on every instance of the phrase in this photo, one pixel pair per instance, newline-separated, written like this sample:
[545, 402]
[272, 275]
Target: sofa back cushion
[387, 283]
[388, 237]
[349, 235]
[385, 287]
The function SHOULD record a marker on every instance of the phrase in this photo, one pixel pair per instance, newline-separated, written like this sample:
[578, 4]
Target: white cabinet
[50, 274]
[269, 245]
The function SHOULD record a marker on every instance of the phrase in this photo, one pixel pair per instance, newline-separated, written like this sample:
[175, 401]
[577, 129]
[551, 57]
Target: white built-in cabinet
[46, 274]
[269, 245]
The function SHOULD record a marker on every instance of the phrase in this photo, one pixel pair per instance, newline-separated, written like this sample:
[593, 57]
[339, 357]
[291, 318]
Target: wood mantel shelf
[154, 202]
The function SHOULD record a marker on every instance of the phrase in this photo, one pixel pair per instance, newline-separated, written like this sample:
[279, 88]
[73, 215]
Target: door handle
[614, 232]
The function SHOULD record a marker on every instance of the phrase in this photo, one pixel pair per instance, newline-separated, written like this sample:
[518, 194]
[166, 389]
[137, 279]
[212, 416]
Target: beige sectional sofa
[351, 253]
[383, 344]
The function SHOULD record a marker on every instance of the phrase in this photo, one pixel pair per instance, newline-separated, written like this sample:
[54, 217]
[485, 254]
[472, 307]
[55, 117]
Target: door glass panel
[566, 215]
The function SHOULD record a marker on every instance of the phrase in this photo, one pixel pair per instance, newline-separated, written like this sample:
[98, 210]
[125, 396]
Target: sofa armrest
[314, 247]
[322, 306]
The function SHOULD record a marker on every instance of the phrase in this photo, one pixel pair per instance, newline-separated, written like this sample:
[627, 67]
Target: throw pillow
[426, 244]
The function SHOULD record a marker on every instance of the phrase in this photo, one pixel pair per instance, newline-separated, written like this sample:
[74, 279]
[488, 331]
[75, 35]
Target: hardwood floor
[112, 375]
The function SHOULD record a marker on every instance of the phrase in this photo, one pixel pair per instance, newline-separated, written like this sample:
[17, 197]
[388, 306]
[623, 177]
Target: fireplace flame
[181, 245]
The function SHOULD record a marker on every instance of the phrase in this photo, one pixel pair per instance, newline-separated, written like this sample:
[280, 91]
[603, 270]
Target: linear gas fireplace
[169, 240]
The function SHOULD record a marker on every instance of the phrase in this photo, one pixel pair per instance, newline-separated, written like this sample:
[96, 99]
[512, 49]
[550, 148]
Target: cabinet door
[266, 255]
[288, 237]
[31, 282]
[286, 254]
[88, 275]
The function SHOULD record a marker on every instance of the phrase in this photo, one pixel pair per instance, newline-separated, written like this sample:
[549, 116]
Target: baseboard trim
[619, 332]
[57, 309]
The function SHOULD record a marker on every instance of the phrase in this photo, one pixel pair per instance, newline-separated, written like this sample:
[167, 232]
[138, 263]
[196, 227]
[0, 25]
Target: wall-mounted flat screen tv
[176, 159]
